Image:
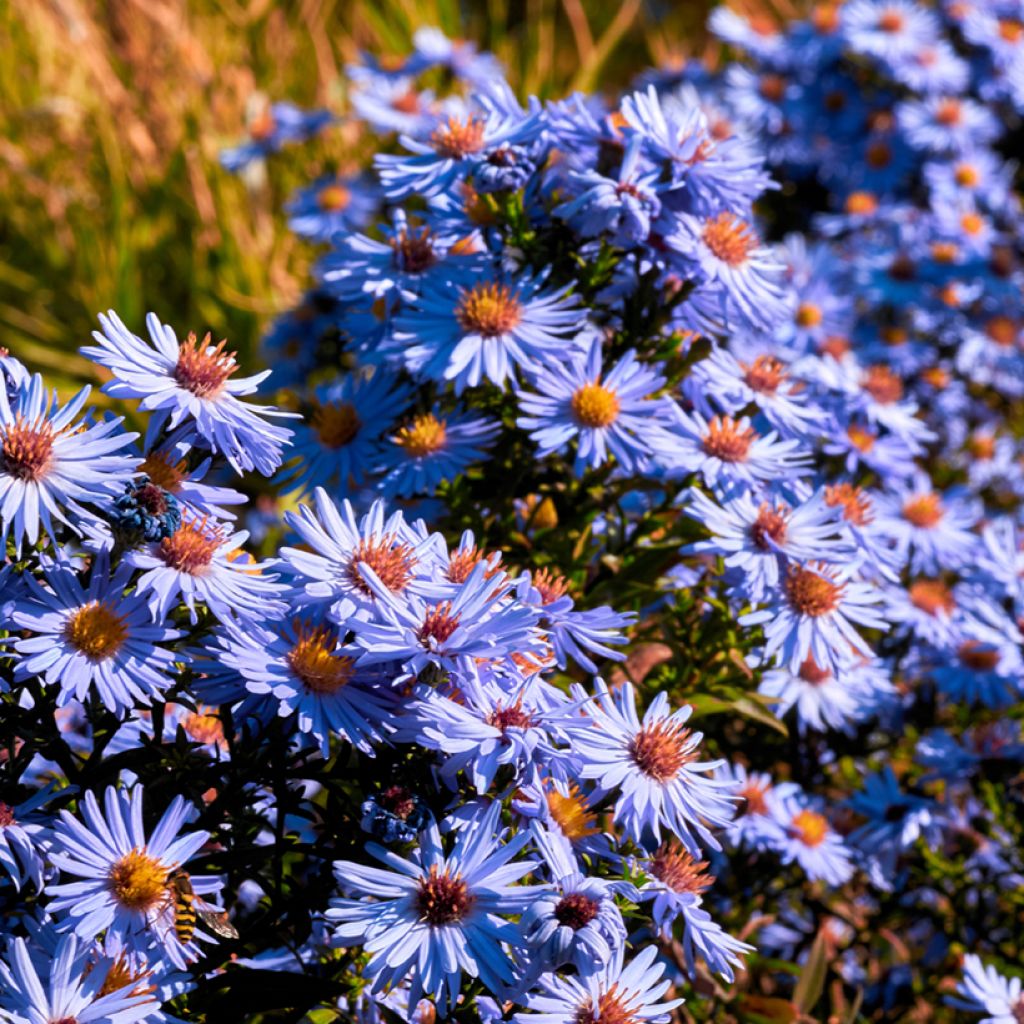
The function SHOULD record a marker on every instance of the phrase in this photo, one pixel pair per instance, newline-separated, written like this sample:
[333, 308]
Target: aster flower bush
[620, 614]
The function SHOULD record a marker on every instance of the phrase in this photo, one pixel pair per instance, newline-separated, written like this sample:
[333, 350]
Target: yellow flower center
[571, 814]
[924, 511]
[138, 881]
[425, 435]
[314, 659]
[594, 405]
[334, 198]
[488, 309]
[96, 630]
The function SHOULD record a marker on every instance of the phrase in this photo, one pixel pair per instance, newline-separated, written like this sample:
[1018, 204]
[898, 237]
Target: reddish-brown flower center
[659, 750]
[949, 111]
[764, 375]
[203, 368]
[398, 800]
[576, 910]
[882, 385]
[442, 899]
[458, 138]
[550, 585]
[96, 630]
[336, 424]
[753, 798]
[438, 625]
[462, 562]
[726, 440]
[729, 238]
[923, 510]
[488, 309]
[594, 405]
[6, 815]
[931, 597]
[191, 547]
[392, 562]
[878, 154]
[26, 450]
[856, 505]
[772, 87]
[811, 672]
[613, 1007]
[980, 657]
[770, 525]
[315, 660]
[811, 593]
[679, 871]
[512, 717]
[1003, 330]
[157, 466]
[890, 20]
[414, 252]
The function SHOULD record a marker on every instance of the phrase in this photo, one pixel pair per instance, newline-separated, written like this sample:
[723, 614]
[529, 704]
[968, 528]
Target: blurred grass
[112, 115]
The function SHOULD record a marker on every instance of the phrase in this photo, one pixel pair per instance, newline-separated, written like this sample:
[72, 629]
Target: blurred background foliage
[112, 113]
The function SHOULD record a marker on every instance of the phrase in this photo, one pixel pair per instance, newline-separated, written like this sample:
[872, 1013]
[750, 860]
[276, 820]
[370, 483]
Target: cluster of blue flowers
[609, 421]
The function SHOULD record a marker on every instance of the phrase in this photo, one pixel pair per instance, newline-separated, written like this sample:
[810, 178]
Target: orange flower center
[754, 799]
[855, 504]
[137, 881]
[890, 20]
[191, 547]
[679, 871]
[949, 111]
[811, 593]
[862, 203]
[808, 314]
[334, 198]
[424, 436]
[595, 406]
[613, 1007]
[1003, 330]
[726, 441]
[461, 564]
[772, 87]
[392, 562]
[811, 672]
[966, 175]
[770, 524]
[314, 659]
[488, 309]
[659, 750]
[438, 624]
[764, 375]
[458, 138]
[883, 385]
[810, 828]
[157, 466]
[972, 223]
[27, 450]
[1011, 30]
[204, 727]
[442, 899]
[931, 597]
[729, 238]
[96, 630]
[923, 510]
[202, 368]
[861, 439]
[982, 446]
[336, 424]
[825, 18]
[571, 814]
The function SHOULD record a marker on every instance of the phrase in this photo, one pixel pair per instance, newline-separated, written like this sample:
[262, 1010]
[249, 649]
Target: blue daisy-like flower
[342, 440]
[804, 835]
[607, 414]
[123, 872]
[433, 448]
[49, 462]
[24, 838]
[984, 990]
[654, 768]
[484, 330]
[616, 992]
[65, 986]
[332, 206]
[94, 638]
[187, 387]
[435, 916]
[273, 128]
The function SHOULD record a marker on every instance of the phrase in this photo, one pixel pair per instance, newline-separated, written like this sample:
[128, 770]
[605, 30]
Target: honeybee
[188, 907]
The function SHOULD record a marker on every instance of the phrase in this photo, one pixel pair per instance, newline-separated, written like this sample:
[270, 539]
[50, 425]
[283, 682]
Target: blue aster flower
[63, 987]
[333, 205]
[14, 374]
[203, 562]
[341, 442]
[432, 48]
[434, 916]
[623, 206]
[888, 29]
[311, 676]
[433, 448]
[606, 414]
[984, 990]
[392, 103]
[25, 838]
[271, 130]
[675, 889]
[484, 330]
[752, 825]
[803, 834]
[654, 768]
[947, 124]
[96, 638]
[617, 991]
[123, 872]
[339, 547]
[188, 389]
[48, 462]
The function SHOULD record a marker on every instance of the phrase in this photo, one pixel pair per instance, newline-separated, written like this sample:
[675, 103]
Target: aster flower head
[63, 986]
[203, 563]
[654, 768]
[343, 548]
[24, 838]
[332, 205]
[432, 448]
[89, 638]
[617, 992]
[188, 388]
[805, 835]
[123, 872]
[888, 29]
[270, 129]
[484, 329]
[50, 462]
[984, 990]
[434, 916]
